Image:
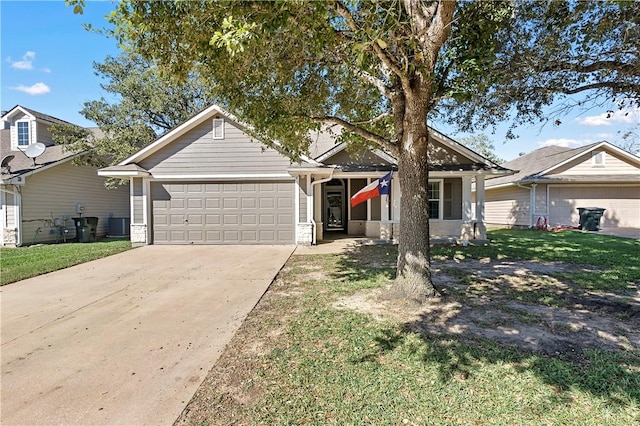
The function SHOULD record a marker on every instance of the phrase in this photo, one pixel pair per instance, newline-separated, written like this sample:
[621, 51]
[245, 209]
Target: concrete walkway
[125, 340]
[621, 232]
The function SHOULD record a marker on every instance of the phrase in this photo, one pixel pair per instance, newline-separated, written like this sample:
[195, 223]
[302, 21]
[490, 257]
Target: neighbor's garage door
[622, 204]
[223, 213]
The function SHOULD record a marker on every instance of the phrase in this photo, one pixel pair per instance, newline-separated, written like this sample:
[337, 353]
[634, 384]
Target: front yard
[537, 328]
[25, 262]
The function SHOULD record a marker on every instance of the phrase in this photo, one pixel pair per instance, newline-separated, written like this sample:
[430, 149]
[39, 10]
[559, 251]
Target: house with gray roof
[42, 190]
[553, 182]
[208, 181]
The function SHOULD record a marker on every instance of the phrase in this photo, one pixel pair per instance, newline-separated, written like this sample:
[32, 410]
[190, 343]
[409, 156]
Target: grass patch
[614, 260]
[298, 359]
[25, 262]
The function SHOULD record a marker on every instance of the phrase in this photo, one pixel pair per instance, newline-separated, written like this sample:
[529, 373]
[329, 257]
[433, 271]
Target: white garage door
[622, 204]
[223, 213]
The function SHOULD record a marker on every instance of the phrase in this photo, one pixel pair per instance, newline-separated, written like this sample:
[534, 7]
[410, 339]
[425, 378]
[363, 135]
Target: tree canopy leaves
[141, 105]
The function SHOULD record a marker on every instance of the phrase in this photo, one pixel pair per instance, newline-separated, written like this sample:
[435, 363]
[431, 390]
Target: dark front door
[335, 212]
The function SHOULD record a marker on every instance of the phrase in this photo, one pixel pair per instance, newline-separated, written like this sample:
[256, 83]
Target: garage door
[223, 213]
[622, 204]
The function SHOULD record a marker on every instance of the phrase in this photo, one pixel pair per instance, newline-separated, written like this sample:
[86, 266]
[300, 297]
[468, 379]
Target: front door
[334, 206]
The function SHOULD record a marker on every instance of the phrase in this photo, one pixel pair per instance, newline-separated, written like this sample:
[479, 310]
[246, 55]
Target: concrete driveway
[125, 340]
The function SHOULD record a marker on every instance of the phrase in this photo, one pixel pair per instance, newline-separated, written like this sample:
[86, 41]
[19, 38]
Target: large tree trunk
[413, 280]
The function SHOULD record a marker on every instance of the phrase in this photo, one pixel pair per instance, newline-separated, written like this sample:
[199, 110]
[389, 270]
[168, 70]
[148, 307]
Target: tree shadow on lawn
[523, 313]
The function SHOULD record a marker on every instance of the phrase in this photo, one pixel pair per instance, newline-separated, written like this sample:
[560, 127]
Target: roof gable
[546, 161]
[189, 125]
[34, 115]
[340, 156]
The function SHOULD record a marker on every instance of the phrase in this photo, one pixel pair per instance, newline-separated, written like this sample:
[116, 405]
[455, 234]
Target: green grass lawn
[617, 259]
[300, 360]
[25, 262]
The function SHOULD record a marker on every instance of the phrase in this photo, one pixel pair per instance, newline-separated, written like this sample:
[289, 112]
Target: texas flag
[374, 189]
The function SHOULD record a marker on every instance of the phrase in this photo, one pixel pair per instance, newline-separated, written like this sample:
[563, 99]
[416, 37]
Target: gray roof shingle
[530, 165]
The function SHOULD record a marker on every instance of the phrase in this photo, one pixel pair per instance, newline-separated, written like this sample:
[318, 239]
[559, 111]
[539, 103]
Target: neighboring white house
[553, 182]
[208, 182]
[39, 197]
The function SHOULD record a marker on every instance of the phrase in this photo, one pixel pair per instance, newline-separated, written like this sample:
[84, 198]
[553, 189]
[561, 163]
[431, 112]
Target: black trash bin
[590, 218]
[86, 228]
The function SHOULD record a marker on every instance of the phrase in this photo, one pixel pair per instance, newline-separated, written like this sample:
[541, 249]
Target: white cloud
[604, 135]
[36, 89]
[567, 143]
[26, 63]
[624, 116]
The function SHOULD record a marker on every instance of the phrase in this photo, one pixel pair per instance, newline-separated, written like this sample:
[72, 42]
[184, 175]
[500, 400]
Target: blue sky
[47, 65]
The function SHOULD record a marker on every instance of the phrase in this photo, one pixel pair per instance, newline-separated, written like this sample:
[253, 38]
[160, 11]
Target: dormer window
[218, 128]
[597, 159]
[23, 133]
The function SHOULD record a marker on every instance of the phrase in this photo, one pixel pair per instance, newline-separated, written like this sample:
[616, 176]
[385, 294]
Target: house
[553, 182]
[41, 190]
[208, 182]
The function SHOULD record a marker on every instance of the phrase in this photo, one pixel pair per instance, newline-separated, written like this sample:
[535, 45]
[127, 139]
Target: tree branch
[367, 135]
[622, 67]
[388, 61]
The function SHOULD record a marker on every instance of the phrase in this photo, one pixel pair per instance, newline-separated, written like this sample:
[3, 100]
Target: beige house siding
[198, 153]
[441, 154]
[541, 200]
[302, 199]
[345, 158]
[507, 206]
[137, 200]
[10, 210]
[44, 135]
[54, 193]
[613, 165]
[622, 204]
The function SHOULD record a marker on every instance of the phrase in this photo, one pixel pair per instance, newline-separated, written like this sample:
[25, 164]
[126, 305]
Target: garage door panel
[267, 203]
[286, 219]
[248, 219]
[212, 203]
[194, 203]
[285, 203]
[230, 203]
[223, 213]
[249, 203]
[212, 219]
[230, 188]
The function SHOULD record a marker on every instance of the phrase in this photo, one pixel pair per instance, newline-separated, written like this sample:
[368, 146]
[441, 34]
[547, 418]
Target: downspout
[531, 203]
[313, 196]
[18, 215]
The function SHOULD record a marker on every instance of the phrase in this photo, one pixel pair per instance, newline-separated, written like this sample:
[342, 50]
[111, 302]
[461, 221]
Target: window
[218, 128]
[435, 200]
[23, 133]
[597, 159]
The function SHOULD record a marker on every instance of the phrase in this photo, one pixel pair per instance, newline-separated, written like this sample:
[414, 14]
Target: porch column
[481, 228]
[146, 207]
[368, 204]
[395, 206]
[467, 215]
[386, 227]
[316, 194]
[384, 207]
